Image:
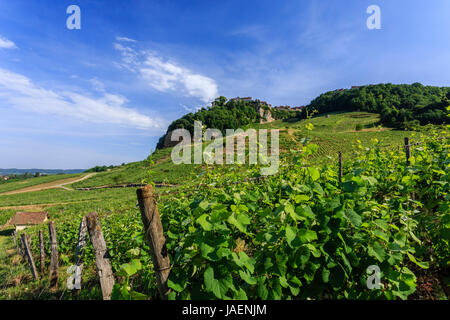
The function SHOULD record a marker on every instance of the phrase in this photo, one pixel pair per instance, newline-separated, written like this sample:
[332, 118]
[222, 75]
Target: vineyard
[301, 234]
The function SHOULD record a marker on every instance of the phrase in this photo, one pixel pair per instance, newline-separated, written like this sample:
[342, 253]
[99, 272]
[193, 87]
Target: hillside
[13, 185]
[334, 133]
[226, 114]
[400, 106]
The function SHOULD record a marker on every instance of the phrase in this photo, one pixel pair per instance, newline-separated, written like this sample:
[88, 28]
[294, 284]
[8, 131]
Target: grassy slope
[337, 133]
[16, 185]
[333, 134]
[5, 215]
[163, 170]
[58, 196]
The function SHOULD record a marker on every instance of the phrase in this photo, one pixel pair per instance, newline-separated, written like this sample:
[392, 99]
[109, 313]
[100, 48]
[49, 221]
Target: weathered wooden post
[407, 150]
[101, 255]
[340, 167]
[42, 250]
[29, 256]
[54, 263]
[29, 239]
[154, 234]
[14, 235]
[79, 256]
[22, 247]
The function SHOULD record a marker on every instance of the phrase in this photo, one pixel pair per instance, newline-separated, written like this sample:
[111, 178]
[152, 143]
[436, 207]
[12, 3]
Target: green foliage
[307, 237]
[231, 114]
[100, 168]
[400, 106]
[5, 215]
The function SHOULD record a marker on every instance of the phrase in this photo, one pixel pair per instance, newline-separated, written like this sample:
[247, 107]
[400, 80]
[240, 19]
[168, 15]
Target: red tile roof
[24, 218]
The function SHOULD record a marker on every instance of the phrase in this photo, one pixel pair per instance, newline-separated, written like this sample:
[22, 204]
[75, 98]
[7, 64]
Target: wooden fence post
[42, 250]
[54, 263]
[29, 256]
[340, 167]
[14, 235]
[407, 150]
[79, 256]
[154, 234]
[22, 247]
[101, 255]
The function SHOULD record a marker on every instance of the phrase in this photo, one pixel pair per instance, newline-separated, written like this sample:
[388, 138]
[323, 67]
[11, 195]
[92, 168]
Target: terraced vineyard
[333, 134]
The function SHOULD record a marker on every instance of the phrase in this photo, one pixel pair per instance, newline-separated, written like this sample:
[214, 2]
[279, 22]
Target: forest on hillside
[225, 114]
[400, 106]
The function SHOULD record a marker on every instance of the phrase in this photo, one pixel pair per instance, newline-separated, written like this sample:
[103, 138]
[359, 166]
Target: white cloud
[129, 57]
[200, 86]
[167, 76]
[18, 91]
[125, 39]
[256, 32]
[6, 43]
[188, 109]
[97, 85]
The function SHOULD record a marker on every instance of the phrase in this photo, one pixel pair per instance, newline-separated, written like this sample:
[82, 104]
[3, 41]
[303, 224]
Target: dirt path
[50, 185]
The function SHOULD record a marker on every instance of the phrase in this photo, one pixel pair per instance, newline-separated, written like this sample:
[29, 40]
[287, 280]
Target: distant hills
[5, 172]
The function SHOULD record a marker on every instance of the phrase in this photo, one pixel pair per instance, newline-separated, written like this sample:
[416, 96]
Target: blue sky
[105, 94]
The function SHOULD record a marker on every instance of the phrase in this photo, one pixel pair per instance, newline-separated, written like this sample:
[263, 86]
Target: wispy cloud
[6, 43]
[188, 109]
[256, 32]
[20, 92]
[97, 85]
[166, 75]
[125, 39]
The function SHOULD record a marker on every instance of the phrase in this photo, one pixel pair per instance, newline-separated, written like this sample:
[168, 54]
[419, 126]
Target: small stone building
[21, 220]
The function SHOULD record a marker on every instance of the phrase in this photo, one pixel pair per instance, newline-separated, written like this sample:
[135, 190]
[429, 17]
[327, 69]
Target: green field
[17, 185]
[58, 196]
